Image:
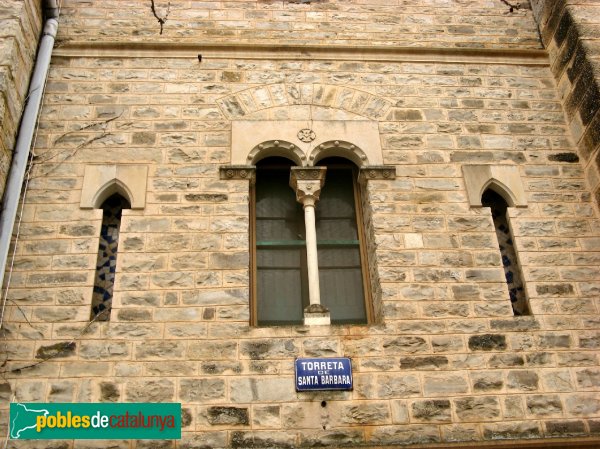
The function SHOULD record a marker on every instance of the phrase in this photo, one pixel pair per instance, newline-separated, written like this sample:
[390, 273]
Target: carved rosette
[307, 183]
[306, 135]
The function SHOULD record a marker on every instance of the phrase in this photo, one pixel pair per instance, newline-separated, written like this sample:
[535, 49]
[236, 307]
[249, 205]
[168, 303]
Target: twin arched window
[280, 267]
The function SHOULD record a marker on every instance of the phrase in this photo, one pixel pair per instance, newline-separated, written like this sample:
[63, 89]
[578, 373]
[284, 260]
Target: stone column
[307, 183]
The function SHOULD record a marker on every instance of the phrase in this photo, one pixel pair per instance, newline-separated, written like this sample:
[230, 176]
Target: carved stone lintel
[238, 172]
[307, 183]
[386, 172]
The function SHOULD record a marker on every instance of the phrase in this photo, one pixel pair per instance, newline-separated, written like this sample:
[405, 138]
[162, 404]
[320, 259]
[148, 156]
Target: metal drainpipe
[14, 183]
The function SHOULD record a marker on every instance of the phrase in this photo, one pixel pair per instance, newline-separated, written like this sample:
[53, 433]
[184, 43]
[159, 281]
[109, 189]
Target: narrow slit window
[516, 290]
[107, 257]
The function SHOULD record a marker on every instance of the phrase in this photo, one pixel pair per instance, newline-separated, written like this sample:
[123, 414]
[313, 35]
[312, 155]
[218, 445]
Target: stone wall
[571, 32]
[21, 24]
[446, 363]
[428, 23]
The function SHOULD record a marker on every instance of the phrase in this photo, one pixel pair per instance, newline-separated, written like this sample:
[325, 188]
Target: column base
[316, 315]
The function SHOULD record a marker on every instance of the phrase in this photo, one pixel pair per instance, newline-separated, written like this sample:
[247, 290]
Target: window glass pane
[342, 294]
[336, 229]
[340, 274]
[279, 296]
[339, 257]
[335, 214]
[278, 215]
[280, 250]
[277, 257]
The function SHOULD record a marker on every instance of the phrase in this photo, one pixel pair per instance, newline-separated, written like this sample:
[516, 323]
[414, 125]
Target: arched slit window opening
[104, 280]
[512, 271]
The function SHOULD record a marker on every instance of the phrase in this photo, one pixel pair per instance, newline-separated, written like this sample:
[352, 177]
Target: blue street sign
[323, 374]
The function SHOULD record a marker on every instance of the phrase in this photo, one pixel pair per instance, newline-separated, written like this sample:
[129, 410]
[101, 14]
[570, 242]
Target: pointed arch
[112, 187]
[504, 179]
[102, 181]
[501, 189]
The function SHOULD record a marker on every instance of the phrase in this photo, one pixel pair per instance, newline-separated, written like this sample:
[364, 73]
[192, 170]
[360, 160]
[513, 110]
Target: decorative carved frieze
[307, 183]
[386, 172]
[238, 172]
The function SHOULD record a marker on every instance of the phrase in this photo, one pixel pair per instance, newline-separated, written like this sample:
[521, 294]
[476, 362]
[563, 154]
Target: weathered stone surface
[506, 360]
[487, 381]
[109, 392]
[564, 429]
[262, 439]
[150, 390]
[101, 350]
[404, 345]
[424, 362]
[228, 416]
[157, 350]
[365, 413]
[444, 384]
[487, 342]
[477, 408]
[588, 378]
[554, 341]
[331, 438]
[268, 349]
[63, 349]
[431, 411]
[504, 431]
[522, 380]
[200, 390]
[245, 390]
[544, 405]
[405, 435]
[397, 386]
[211, 350]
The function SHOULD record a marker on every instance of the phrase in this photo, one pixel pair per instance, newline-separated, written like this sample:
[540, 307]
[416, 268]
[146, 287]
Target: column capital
[307, 183]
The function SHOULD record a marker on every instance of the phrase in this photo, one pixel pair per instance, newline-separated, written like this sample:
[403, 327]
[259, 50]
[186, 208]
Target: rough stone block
[150, 390]
[246, 390]
[431, 411]
[444, 384]
[477, 408]
[522, 380]
[487, 342]
[200, 390]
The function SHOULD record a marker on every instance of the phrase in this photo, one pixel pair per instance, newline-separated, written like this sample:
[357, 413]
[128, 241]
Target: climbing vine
[160, 19]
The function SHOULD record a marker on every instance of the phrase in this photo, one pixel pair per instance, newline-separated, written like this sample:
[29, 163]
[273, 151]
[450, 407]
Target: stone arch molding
[242, 104]
[306, 142]
[102, 181]
[503, 179]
